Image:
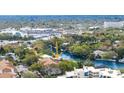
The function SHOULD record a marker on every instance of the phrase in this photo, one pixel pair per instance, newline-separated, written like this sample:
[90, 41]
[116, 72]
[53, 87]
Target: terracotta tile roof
[7, 75]
[47, 61]
[5, 64]
[6, 67]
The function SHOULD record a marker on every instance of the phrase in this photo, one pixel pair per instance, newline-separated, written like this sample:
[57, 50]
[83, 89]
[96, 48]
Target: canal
[97, 63]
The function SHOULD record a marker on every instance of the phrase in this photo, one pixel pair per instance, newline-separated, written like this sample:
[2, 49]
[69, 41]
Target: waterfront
[48, 49]
[109, 64]
[97, 63]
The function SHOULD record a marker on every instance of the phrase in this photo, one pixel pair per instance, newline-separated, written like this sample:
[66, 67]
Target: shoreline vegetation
[35, 47]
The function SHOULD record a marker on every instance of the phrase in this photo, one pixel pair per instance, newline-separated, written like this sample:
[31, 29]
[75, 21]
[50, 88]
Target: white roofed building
[119, 24]
[14, 32]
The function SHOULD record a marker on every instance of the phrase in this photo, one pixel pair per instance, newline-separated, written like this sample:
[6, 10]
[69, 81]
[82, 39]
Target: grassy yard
[122, 70]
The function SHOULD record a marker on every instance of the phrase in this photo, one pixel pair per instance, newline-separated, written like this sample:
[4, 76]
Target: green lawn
[122, 70]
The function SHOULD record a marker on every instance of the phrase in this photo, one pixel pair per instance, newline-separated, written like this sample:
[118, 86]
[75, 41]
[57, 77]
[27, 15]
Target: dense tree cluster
[6, 36]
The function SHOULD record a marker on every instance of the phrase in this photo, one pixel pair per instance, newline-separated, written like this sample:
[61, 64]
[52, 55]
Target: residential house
[7, 70]
[47, 61]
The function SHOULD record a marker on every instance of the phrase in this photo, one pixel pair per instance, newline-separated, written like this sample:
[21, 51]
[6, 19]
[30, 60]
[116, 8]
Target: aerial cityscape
[62, 46]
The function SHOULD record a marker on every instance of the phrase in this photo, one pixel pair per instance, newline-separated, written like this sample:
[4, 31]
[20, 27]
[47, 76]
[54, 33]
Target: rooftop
[47, 61]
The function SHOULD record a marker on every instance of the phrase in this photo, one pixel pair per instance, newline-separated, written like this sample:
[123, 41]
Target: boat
[121, 60]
